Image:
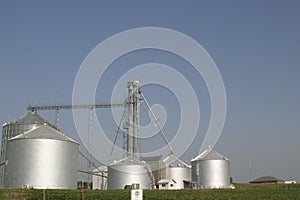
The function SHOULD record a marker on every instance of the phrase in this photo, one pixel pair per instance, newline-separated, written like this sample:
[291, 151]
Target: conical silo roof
[172, 161]
[43, 132]
[128, 161]
[209, 154]
[32, 118]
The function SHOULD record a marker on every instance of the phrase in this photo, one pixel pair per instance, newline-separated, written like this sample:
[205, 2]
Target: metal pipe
[158, 125]
[93, 173]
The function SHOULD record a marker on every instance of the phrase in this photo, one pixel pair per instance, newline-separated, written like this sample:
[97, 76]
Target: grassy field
[242, 192]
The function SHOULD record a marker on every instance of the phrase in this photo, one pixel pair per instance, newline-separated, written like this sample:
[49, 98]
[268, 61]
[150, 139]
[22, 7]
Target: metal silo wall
[121, 175]
[214, 173]
[179, 174]
[41, 163]
[195, 171]
[10, 130]
[15, 128]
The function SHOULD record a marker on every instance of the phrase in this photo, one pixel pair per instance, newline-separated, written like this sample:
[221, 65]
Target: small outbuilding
[167, 184]
[290, 182]
[267, 180]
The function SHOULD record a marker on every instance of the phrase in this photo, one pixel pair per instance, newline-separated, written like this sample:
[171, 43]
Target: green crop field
[242, 191]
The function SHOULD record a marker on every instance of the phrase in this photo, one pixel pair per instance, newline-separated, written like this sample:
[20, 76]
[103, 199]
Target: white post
[136, 192]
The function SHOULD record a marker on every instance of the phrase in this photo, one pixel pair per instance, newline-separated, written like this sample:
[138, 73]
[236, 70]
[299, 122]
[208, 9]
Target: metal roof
[128, 161]
[173, 161]
[209, 154]
[32, 118]
[166, 181]
[43, 132]
[266, 179]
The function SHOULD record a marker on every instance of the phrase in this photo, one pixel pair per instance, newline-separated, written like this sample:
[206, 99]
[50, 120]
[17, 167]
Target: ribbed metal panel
[211, 170]
[179, 174]
[23, 124]
[16, 127]
[177, 170]
[128, 171]
[195, 173]
[42, 160]
[214, 174]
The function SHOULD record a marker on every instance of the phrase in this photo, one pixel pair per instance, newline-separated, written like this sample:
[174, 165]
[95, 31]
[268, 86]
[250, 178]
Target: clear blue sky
[255, 44]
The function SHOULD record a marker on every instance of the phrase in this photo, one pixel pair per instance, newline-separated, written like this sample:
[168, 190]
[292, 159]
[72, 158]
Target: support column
[133, 120]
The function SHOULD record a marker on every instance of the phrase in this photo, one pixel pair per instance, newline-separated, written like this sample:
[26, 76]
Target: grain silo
[211, 170]
[41, 158]
[16, 127]
[128, 171]
[177, 170]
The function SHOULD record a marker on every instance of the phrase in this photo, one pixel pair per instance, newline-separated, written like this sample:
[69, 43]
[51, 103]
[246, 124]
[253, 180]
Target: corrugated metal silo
[177, 170]
[128, 171]
[23, 124]
[16, 127]
[211, 170]
[42, 158]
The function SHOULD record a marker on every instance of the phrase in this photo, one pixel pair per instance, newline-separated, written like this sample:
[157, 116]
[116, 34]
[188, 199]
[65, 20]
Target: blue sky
[255, 45]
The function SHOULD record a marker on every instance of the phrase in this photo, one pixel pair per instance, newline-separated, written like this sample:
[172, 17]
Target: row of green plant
[242, 191]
